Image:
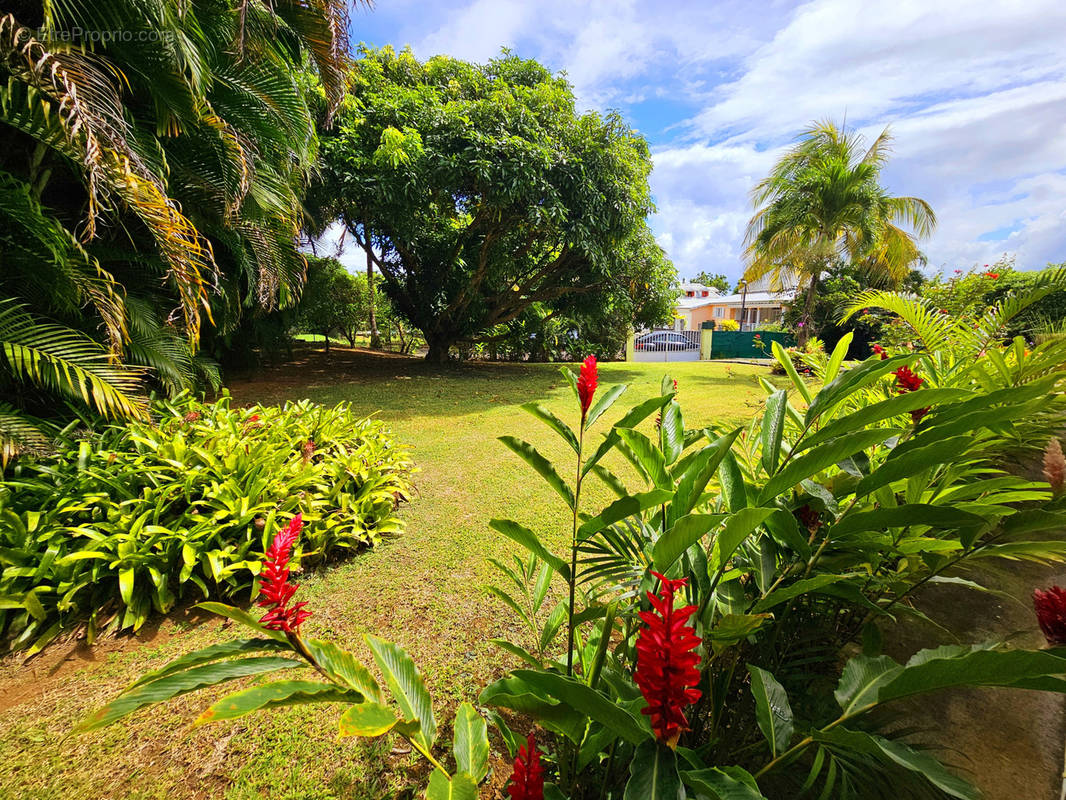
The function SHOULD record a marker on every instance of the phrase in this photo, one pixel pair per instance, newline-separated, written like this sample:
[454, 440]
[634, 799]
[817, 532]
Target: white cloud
[975, 92]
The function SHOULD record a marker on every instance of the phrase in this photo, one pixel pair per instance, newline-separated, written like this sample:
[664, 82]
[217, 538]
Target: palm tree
[151, 181]
[823, 201]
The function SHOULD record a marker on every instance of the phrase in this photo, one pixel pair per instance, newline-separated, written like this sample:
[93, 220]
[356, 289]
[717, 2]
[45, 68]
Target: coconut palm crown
[823, 201]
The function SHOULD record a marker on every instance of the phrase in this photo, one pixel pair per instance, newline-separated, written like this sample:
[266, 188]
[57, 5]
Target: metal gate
[666, 344]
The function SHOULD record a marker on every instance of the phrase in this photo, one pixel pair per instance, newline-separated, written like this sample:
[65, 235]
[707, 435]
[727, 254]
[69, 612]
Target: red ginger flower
[1051, 614]
[527, 778]
[275, 591]
[907, 381]
[879, 350]
[586, 384]
[666, 662]
[1055, 466]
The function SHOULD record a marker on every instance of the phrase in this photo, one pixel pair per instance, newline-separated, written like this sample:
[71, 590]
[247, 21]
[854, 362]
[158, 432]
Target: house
[757, 304]
[689, 307]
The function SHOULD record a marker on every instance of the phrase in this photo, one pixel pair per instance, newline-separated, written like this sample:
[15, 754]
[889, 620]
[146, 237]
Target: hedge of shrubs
[129, 519]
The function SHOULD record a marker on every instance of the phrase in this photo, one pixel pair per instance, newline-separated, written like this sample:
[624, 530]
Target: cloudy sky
[975, 93]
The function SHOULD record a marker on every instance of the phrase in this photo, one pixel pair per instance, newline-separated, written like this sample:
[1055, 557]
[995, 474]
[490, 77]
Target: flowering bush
[129, 519]
[792, 539]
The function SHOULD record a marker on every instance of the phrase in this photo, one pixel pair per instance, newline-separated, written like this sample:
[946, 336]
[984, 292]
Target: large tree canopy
[482, 190]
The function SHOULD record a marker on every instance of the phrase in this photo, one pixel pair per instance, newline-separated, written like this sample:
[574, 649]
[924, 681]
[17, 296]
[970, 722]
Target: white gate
[667, 344]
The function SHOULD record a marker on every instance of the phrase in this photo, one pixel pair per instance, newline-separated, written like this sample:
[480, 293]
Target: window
[719, 311]
[705, 293]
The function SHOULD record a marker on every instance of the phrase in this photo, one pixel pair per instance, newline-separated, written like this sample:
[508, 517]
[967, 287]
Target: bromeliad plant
[277, 643]
[806, 531]
[129, 519]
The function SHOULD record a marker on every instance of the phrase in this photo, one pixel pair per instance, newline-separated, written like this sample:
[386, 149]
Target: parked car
[666, 340]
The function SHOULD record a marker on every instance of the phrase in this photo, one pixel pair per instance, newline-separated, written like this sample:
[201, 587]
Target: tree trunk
[326, 336]
[438, 351]
[375, 337]
[808, 311]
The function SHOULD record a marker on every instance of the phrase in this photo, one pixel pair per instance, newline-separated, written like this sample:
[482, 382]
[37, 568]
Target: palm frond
[68, 363]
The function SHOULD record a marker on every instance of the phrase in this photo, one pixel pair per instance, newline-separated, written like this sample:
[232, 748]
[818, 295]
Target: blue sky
[975, 93]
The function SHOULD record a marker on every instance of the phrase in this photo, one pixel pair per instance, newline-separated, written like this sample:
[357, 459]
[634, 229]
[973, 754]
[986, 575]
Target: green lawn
[424, 590]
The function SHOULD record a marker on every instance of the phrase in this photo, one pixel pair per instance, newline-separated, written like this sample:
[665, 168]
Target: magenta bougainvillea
[276, 591]
[666, 661]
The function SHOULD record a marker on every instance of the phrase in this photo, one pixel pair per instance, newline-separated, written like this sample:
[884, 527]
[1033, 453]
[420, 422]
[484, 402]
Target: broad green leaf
[471, 743]
[525, 537]
[947, 451]
[457, 787]
[847, 382]
[244, 618]
[785, 361]
[653, 773]
[878, 412]
[648, 455]
[344, 668]
[773, 714]
[940, 668]
[724, 783]
[623, 507]
[532, 701]
[694, 479]
[634, 416]
[681, 536]
[671, 432]
[519, 652]
[587, 701]
[407, 688]
[367, 719]
[277, 693]
[785, 593]
[733, 628]
[541, 466]
[209, 654]
[814, 461]
[738, 527]
[900, 516]
[553, 422]
[907, 757]
[183, 682]
[603, 403]
[773, 428]
[832, 367]
[732, 480]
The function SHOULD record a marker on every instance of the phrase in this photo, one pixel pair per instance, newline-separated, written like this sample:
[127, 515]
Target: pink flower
[666, 662]
[586, 384]
[1051, 614]
[275, 591]
[527, 776]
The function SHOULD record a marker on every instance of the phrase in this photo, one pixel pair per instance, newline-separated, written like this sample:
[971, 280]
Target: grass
[424, 590]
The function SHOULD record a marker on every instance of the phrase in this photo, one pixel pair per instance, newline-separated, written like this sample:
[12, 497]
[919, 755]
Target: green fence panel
[747, 344]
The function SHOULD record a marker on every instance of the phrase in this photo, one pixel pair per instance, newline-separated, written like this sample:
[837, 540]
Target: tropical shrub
[720, 623]
[710, 609]
[129, 519]
[278, 644]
